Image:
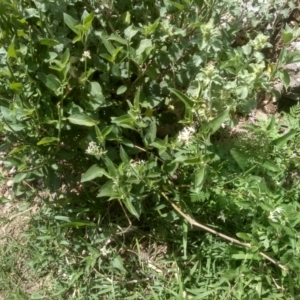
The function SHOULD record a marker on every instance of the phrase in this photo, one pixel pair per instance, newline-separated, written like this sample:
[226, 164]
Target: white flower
[86, 54]
[97, 10]
[94, 149]
[133, 163]
[186, 134]
[275, 215]
[222, 216]
[104, 251]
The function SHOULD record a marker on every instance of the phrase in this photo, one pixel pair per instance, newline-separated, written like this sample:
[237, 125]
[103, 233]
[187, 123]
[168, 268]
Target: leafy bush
[143, 109]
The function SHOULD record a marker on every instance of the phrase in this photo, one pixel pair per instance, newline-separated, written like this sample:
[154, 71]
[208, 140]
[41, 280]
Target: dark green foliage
[117, 106]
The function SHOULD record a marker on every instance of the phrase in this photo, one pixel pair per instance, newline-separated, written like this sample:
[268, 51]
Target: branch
[225, 237]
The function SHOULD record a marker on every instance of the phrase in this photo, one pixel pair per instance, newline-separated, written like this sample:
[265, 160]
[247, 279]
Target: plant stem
[223, 236]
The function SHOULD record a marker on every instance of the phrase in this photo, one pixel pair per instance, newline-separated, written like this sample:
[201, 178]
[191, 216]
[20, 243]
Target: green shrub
[139, 97]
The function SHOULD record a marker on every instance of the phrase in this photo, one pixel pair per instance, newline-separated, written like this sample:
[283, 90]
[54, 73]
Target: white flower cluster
[133, 163]
[275, 215]
[222, 216]
[85, 55]
[94, 149]
[186, 134]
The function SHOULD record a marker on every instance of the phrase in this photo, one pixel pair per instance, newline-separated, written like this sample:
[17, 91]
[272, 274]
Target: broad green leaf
[125, 121]
[108, 45]
[175, 4]
[93, 172]
[118, 264]
[111, 168]
[244, 236]
[287, 36]
[16, 86]
[284, 139]
[216, 123]
[65, 57]
[89, 19]
[150, 28]
[19, 177]
[144, 44]
[130, 207]
[293, 57]
[239, 157]
[82, 119]
[96, 91]
[150, 135]
[118, 39]
[199, 177]
[130, 32]
[71, 23]
[121, 90]
[49, 42]
[124, 157]
[106, 189]
[47, 140]
[11, 52]
[136, 101]
[270, 166]
[51, 81]
[187, 101]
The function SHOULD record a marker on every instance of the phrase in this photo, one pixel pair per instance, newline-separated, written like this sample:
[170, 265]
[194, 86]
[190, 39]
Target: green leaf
[144, 44]
[240, 158]
[111, 168]
[187, 101]
[121, 90]
[19, 177]
[96, 90]
[118, 263]
[243, 256]
[293, 57]
[89, 19]
[271, 124]
[71, 23]
[199, 177]
[49, 42]
[125, 121]
[130, 32]
[151, 132]
[16, 86]
[93, 172]
[244, 236]
[72, 222]
[284, 139]
[175, 4]
[118, 39]
[130, 207]
[11, 52]
[287, 35]
[47, 140]
[51, 81]
[106, 189]
[65, 57]
[108, 45]
[216, 123]
[124, 157]
[270, 166]
[285, 77]
[136, 101]
[82, 119]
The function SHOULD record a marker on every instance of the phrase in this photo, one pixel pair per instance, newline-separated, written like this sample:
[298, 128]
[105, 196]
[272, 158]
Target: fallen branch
[224, 236]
